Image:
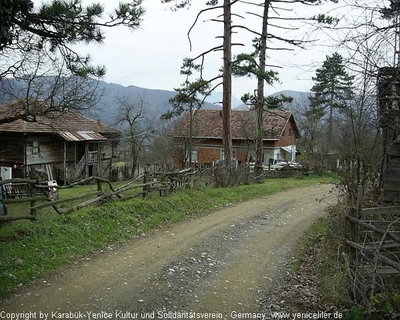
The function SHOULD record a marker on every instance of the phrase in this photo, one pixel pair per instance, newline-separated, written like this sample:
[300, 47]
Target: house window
[35, 147]
[222, 155]
[194, 155]
[290, 132]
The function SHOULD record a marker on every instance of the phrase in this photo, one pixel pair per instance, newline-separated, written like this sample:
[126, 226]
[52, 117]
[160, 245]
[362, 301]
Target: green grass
[18, 209]
[30, 250]
[324, 245]
[323, 242]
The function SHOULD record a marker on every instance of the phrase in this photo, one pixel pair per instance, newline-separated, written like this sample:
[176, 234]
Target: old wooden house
[201, 132]
[389, 118]
[72, 145]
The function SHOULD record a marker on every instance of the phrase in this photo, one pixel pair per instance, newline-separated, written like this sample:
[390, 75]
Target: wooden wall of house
[11, 149]
[50, 150]
[108, 149]
[391, 175]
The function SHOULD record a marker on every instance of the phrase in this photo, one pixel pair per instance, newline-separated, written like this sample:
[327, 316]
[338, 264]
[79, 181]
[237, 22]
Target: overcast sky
[151, 56]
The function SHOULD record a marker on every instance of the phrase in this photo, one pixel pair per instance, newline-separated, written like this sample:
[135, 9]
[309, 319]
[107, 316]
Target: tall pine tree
[57, 26]
[333, 89]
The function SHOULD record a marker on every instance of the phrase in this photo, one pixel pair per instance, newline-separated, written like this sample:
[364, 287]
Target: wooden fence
[375, 239]
[39, 196]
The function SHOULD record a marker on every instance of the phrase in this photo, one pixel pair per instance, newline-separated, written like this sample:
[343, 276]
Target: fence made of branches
[375, 250]
[32, 196]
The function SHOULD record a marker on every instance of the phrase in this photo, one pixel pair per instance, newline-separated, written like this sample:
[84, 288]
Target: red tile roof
[208, 124]
[51, 122]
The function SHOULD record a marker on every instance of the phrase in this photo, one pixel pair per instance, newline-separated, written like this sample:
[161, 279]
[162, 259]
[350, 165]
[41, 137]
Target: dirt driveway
[223, 262]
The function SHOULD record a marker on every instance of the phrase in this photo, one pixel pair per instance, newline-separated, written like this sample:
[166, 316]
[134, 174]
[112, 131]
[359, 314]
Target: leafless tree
[39, 65]
[274, 34]
[248, 64]
[134, 119]
[226, 74]
[43, 84]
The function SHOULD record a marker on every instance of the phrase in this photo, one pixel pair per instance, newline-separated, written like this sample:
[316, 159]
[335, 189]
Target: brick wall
[208, 155]
[288, 138]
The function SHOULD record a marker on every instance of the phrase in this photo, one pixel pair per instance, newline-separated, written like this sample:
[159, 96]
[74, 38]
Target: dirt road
[223, 262]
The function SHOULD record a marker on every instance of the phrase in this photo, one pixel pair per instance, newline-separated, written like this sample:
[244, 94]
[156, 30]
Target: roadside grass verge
[17, 209]
[321, 250]
[31, 250]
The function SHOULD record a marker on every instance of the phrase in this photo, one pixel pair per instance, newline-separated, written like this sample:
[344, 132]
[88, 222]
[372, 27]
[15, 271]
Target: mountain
[156, 101]
[106, 109]
[216, 98]
[299, 98]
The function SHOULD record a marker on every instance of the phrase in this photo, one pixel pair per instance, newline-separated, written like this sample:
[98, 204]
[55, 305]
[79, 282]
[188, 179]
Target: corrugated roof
[207, 123]
[52, 122]
[81, 136]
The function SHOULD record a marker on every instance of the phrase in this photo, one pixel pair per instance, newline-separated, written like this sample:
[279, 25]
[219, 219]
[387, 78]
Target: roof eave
[220, 138]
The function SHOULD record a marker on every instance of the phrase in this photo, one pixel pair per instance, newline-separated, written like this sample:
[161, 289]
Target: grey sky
[151, 56]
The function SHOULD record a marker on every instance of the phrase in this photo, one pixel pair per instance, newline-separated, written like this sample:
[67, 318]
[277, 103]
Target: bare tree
[38, 55]
[254, 64]
[247, 64]
[137, 124]
[43, 84]
[227, 84]
[226, 75]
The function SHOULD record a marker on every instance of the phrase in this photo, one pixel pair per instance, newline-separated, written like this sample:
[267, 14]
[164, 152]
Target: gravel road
[220, 265]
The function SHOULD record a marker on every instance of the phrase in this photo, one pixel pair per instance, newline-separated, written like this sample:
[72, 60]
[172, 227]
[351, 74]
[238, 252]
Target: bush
[229, 177]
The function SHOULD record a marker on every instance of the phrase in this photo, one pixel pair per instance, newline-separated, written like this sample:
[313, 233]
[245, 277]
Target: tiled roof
[208, 124]
[52, 122]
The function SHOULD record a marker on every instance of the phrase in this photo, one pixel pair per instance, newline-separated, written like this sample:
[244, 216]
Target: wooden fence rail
[378, 239]
[160, 182]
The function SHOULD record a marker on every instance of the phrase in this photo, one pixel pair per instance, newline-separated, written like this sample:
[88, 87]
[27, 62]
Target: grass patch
[321, 247]
[30, 250]
[324, 248]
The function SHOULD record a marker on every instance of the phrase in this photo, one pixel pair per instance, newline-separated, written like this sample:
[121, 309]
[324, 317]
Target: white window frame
[35, 147]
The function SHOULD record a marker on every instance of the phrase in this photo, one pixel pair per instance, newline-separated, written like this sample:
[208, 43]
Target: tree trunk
[133, 158]
[330, 124]
[190, 134]
[227, 85]
[260, 93]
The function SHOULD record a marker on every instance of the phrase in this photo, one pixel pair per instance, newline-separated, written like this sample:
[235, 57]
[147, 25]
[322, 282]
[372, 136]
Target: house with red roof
[71, 145]
[201, 132]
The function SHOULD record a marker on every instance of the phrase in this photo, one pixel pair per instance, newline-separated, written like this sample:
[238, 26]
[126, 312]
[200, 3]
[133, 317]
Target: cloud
[151, 56]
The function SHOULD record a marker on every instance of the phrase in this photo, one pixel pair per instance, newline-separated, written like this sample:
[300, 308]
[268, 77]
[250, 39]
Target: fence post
[145, 180]
[33, 201]
[354, 227]
[99, 188]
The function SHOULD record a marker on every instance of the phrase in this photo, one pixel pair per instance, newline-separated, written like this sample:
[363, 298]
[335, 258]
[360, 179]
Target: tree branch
[195, 22]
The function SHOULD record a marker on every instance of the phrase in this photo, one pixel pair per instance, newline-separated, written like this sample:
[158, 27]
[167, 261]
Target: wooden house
[205, 129]
[72, 145]
[389, 119]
